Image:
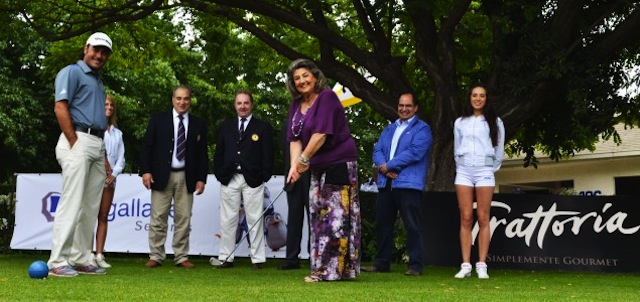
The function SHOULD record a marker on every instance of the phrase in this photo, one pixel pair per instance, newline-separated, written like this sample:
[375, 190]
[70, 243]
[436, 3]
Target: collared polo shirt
[84, 91]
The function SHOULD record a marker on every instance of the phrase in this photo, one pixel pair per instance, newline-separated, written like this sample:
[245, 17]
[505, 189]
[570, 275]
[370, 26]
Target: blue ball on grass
[38, 270]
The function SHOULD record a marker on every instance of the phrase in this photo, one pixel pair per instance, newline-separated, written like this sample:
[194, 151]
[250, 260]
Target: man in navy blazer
[243, 162]
[174, 165]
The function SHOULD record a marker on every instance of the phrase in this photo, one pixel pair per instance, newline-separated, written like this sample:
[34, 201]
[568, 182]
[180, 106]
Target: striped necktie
[181, 141]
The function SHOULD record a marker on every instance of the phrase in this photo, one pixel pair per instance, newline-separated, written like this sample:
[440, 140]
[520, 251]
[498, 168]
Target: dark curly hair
[321, 80]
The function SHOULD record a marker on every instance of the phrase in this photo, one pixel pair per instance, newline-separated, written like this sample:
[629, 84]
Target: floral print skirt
[335, 226]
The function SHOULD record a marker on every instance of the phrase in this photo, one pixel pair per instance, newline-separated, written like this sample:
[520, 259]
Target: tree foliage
[151, 57]
[554, 68]
[23, 126]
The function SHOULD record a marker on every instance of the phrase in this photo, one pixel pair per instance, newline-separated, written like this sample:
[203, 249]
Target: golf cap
[100, 39]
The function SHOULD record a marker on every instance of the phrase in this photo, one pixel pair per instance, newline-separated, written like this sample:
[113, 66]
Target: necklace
[299, 124]
[302, 115]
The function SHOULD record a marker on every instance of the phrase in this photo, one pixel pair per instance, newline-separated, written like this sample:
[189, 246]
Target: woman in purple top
[320, 140]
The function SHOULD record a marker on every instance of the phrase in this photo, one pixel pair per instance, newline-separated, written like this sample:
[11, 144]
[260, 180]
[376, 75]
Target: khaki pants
[176, 190]
[83, 175]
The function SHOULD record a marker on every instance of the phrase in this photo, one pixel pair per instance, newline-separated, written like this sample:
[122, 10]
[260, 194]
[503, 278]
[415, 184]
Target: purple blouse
[326, 115]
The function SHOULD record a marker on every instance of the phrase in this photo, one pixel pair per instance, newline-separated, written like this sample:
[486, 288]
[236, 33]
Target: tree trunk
[446, 109]
[442, 168]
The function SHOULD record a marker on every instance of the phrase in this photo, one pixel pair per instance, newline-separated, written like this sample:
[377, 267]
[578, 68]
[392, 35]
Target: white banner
[37, 196]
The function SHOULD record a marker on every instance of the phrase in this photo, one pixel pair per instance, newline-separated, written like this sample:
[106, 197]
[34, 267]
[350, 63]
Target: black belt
[177, 169]
[92, 131]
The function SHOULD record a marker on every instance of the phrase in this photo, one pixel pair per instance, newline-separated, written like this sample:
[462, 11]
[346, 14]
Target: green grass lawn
[129, 280]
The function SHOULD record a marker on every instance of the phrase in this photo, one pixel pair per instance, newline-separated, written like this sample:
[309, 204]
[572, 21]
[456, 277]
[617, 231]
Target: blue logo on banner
[49, 205]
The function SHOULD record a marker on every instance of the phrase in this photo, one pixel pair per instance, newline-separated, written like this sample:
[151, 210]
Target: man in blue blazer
[243, 162]
[401, 157]
[174, 165]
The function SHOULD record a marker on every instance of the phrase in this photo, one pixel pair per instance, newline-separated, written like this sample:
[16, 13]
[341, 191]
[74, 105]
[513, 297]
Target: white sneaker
[100, 261]
[92, 260]
[465, 271]
[481, 270]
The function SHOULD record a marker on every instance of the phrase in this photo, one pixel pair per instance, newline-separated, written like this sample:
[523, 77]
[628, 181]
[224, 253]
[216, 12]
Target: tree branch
[389, 70]
[446, 36]
[100, 17]
[624, 36]
[348, 76]
[449, 24]
[372, 28]
[326, 51]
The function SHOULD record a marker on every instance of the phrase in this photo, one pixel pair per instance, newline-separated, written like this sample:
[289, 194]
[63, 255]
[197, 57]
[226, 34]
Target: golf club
[216, 262]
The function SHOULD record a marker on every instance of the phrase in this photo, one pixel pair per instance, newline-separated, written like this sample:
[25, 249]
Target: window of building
[545, 187]
[629, 185]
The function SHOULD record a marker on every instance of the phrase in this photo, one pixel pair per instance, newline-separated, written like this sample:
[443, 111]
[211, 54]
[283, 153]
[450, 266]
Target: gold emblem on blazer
[255, 137]
[198, 138]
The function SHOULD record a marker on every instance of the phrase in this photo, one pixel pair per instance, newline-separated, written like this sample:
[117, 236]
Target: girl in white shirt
[114, 147]
[478, 151]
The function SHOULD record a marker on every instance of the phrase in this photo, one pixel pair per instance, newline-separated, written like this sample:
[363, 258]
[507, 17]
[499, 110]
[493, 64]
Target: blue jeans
[409, 203]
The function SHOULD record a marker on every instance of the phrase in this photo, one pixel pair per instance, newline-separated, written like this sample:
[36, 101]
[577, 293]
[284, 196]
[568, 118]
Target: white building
[609, 170]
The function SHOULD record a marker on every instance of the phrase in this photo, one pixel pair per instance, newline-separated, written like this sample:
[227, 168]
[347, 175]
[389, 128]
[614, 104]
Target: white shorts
[475, 176]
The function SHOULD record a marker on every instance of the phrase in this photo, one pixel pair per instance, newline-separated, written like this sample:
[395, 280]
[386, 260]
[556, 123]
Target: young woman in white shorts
[478, 150]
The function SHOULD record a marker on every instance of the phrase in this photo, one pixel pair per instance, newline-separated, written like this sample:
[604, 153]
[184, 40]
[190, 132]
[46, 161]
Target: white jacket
[114, 146]
[472, 145]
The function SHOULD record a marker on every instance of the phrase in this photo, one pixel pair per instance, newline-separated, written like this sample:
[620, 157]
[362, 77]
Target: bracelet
[303, 159]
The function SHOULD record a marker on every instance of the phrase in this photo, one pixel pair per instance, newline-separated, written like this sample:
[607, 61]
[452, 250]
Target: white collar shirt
[396, 135]
[246, 122]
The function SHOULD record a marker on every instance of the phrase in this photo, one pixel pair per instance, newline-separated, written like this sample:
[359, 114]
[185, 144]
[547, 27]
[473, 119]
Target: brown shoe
[186, 264]
[226, 265]
[257, 266]
[152, 264]
[412, 272]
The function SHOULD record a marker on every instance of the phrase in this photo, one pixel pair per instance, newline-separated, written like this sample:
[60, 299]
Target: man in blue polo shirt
[79, 109]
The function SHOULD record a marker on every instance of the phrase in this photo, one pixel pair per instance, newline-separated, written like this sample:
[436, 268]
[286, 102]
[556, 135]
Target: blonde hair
[113, 119]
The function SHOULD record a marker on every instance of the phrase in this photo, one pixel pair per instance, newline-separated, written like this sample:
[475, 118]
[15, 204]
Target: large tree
[554, 68]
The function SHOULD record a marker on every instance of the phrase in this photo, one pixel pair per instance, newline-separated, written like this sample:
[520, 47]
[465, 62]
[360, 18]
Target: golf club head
[214, 261]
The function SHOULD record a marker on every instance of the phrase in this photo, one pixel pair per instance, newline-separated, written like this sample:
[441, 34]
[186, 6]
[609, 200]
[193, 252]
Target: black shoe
[226, 265]
[412, 272]
[288, 266]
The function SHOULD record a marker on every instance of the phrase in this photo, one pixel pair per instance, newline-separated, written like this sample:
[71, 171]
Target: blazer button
[239, 152]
